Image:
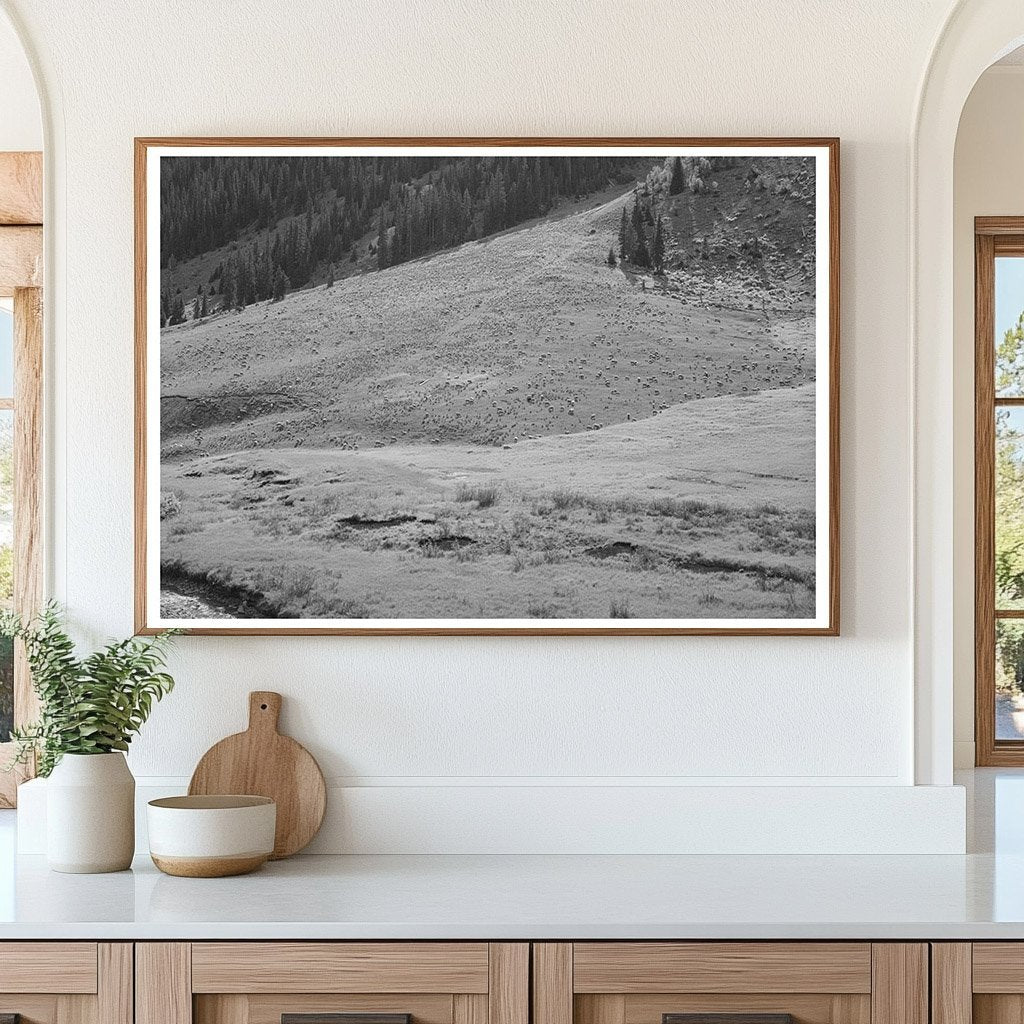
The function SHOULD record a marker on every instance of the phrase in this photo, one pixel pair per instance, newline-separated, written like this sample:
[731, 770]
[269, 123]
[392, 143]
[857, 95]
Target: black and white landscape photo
[527, 389]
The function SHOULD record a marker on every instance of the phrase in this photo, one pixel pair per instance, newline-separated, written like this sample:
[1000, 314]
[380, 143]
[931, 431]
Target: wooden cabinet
[494, 983]
[306, 982]
[66, 982]
[757, 982]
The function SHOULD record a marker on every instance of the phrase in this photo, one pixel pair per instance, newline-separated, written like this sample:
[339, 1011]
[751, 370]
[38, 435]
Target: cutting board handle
[264, 710]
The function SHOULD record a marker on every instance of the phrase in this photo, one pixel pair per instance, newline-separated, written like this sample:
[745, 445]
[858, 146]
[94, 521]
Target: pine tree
[264, 273]
[627, 239]
[177, 310]
[244, 283]
[658, 247]
[612, 261]
[281, 285]
[677, 183]
[330, 275]
[203, 308]
[640, 255]
[382, 242]
[637, 216]
[304, 270]
[195, 307]
[227, 286]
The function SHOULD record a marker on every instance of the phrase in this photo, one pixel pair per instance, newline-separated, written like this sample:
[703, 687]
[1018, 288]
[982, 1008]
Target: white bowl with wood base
[211, 836]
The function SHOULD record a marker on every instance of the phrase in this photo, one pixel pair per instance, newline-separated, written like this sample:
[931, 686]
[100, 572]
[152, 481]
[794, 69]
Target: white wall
[21, 126]
[457, 712]
[987, 181]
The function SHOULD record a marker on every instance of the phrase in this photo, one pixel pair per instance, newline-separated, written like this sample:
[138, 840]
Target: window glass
[1009, 679]
[1009, 496]
[1009, 512]
[1009, 327]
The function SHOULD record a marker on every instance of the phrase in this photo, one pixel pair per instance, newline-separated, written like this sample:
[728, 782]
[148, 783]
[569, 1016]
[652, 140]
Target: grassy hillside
[587, 525]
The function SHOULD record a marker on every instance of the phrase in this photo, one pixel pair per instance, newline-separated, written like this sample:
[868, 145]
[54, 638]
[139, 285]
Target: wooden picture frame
[818, 590]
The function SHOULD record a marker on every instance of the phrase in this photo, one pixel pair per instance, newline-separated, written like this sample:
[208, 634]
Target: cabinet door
[332, 983]
[730, 983]
[65, 983]
[981, 982]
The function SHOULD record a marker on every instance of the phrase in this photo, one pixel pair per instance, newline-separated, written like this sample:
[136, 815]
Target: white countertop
[496, 897]
[977, 896]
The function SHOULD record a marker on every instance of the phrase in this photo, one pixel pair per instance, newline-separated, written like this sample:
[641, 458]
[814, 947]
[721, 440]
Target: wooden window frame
[21, 278]
[993, 236]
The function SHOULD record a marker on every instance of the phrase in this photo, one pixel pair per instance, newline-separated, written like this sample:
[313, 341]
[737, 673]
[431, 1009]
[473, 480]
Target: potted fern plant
[90, 708]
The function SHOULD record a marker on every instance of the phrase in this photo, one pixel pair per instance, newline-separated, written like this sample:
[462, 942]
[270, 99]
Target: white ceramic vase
[90, 814]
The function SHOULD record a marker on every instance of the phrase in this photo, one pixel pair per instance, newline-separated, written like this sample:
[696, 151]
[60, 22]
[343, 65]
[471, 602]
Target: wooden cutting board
[262, 762]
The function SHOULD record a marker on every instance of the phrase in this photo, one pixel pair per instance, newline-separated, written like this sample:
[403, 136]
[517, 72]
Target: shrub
[485, 495]
[564, 498]
[641, 559]
[170, 505]
[297, 585]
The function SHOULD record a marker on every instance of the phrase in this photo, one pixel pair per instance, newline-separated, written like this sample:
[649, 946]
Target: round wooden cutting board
[262, 762]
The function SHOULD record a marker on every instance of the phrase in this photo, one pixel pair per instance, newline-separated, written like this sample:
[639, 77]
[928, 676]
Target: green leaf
[89, 705]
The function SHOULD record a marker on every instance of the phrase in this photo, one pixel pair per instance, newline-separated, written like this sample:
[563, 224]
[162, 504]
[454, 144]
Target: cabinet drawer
[998, 967]
[340, 967]
[65, 967]
[66, 982]
[752, 967]
[332, 983]
[730, 983]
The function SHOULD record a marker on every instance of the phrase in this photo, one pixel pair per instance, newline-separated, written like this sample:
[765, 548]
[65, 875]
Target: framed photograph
[487, 386]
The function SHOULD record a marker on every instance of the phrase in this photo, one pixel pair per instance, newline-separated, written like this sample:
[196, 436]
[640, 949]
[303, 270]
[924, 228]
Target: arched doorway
[976, 34]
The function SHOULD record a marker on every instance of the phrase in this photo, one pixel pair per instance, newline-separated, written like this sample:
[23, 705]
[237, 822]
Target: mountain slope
[528, 333]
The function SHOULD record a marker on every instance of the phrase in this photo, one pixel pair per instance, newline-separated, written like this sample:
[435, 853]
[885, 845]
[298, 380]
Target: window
[999, 490]
[20, 500]
[21, 364]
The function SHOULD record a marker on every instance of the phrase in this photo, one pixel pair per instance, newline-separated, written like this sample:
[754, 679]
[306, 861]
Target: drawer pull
[339, 1018]
[727, 1018]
